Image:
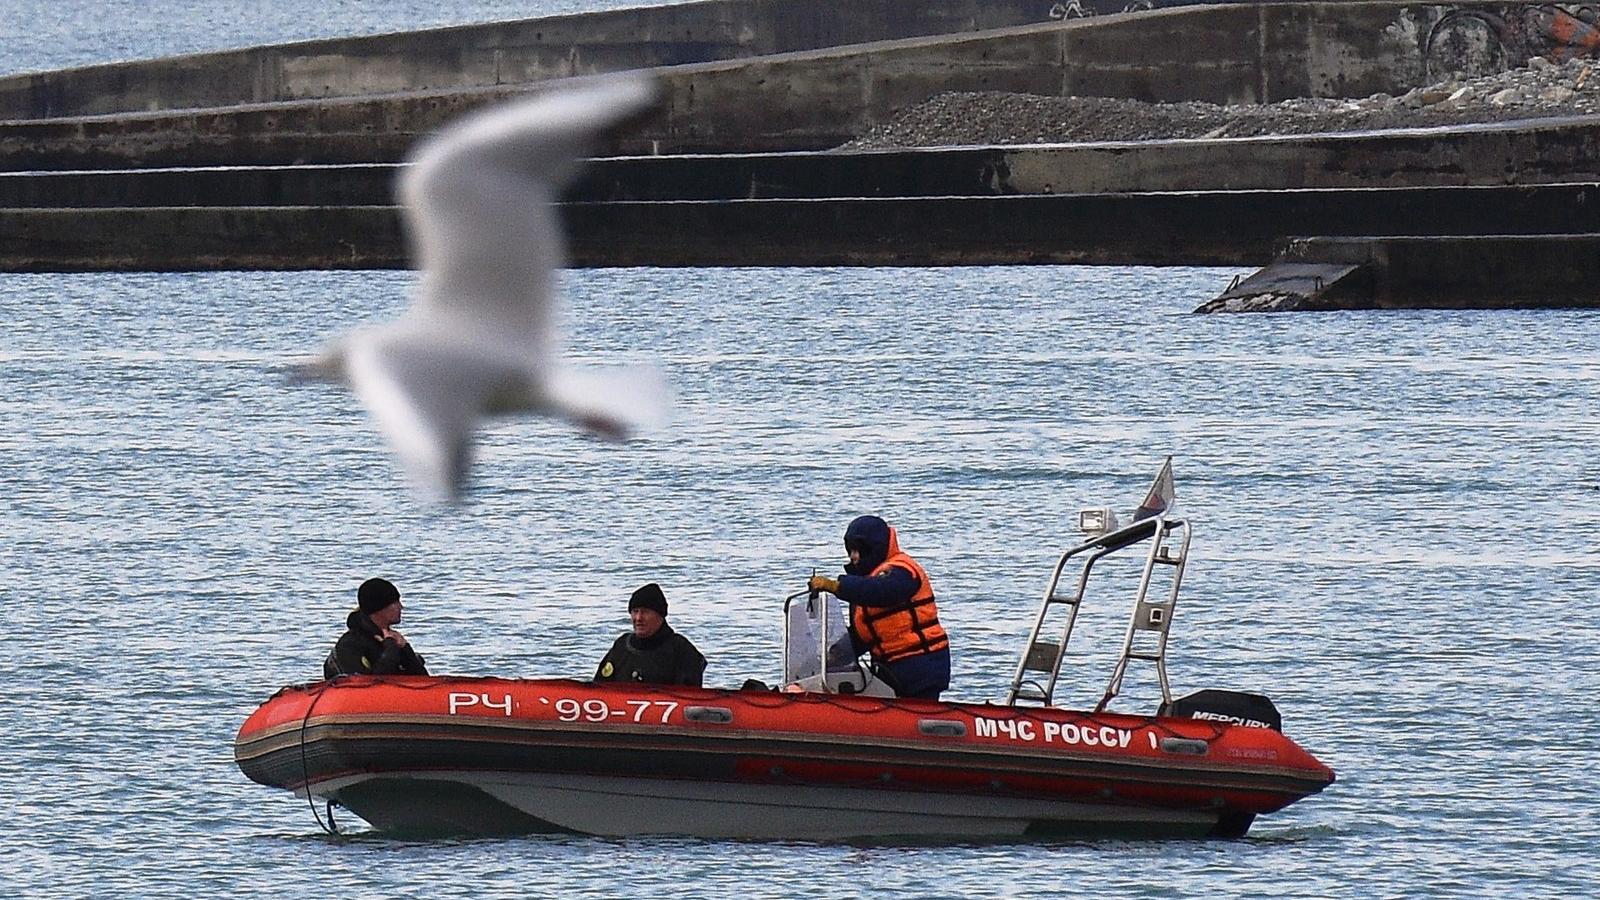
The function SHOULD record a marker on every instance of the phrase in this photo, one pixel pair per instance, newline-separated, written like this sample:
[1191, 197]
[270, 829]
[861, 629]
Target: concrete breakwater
[283, 170]
[1535, 151]
[797, 100]
[495, 54]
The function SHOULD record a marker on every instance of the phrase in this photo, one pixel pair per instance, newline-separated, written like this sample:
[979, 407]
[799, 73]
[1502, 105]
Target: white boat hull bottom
[501, 803]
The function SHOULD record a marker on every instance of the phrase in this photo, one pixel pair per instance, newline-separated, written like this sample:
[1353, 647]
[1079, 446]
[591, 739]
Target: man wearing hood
[892, 613]
[652, 652]
[371, 645]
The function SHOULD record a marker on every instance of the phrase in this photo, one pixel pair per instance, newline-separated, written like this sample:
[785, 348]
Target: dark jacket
[665, 657]
[360, 652]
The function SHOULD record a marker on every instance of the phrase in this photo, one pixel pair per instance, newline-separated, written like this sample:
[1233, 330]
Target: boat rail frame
[1146, 636]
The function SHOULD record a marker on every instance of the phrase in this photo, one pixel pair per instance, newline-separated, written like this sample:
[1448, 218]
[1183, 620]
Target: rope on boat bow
[331, 827]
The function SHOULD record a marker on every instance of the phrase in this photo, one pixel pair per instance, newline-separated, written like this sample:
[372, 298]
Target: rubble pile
[1540, 89]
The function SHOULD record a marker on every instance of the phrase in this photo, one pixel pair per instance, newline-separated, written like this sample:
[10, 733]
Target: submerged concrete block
[1490, 271]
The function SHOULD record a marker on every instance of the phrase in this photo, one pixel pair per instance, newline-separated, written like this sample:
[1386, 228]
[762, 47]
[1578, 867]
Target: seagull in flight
[481, 335]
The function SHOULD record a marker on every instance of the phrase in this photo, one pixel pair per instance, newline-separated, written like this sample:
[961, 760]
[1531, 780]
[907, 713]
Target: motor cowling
[1232, 707]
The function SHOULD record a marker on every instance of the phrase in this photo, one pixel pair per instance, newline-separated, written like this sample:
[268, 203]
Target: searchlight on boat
[1097, 520]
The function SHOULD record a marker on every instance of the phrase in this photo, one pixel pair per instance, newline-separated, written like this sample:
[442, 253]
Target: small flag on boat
[1161, 496]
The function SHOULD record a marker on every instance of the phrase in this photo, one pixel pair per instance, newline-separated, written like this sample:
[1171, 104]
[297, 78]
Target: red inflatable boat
[835, 756]
[489, 755]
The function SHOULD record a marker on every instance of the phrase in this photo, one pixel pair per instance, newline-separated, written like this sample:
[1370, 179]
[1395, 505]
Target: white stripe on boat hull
[499, 802]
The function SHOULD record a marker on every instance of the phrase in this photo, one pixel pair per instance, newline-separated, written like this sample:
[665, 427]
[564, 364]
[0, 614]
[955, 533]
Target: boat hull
[453, 803]
[490, 756]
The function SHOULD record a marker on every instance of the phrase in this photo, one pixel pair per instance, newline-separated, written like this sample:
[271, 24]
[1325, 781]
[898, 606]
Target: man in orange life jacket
[892, 614]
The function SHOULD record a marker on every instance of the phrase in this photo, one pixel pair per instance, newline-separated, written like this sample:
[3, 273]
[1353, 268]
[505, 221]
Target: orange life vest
[906, 629]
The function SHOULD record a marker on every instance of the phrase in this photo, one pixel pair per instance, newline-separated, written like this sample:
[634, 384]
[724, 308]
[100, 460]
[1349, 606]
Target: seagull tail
[613, 403]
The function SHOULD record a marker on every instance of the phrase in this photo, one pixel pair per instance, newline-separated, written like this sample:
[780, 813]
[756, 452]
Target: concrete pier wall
[1529, 152]
[191, 239]
[1472, 272]
[500, 53]
[1186, 228]
[805, 100]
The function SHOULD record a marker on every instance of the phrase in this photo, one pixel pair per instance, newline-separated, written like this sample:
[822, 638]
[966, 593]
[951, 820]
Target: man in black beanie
[652, 652]
[371, 645]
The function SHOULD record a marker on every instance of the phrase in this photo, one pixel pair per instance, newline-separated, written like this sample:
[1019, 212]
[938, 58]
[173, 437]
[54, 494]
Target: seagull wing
[611, 402]
[425, 396]
[478, 199]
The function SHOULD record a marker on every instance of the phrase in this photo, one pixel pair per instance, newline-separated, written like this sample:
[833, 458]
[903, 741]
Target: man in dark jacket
[652, 653]
[371, 645]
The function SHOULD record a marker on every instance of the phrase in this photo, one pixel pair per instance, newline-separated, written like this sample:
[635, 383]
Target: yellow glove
[823, 583]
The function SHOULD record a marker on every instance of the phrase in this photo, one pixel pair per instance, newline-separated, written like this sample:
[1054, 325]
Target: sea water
[1394, 516]
[1393, 520]
[37, 35]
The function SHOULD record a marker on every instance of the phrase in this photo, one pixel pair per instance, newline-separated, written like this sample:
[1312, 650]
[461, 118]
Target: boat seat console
[824, 667]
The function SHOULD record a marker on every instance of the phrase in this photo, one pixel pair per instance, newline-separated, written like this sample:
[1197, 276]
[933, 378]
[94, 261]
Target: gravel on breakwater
[1539, 89]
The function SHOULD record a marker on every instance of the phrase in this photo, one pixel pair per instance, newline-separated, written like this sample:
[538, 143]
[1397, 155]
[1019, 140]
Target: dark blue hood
[870, 535]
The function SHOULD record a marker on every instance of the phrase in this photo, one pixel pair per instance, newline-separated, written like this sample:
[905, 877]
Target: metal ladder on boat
[1039, 669]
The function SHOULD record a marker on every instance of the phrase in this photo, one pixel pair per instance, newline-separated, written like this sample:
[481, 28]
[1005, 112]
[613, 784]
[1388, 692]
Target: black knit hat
[376, 593]
[649, 597]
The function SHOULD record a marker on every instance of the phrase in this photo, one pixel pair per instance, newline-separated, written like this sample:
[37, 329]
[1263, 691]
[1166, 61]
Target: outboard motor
[1232, 707]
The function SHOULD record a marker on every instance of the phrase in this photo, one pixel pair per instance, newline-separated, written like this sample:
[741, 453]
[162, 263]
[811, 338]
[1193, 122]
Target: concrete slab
[1284, 285]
